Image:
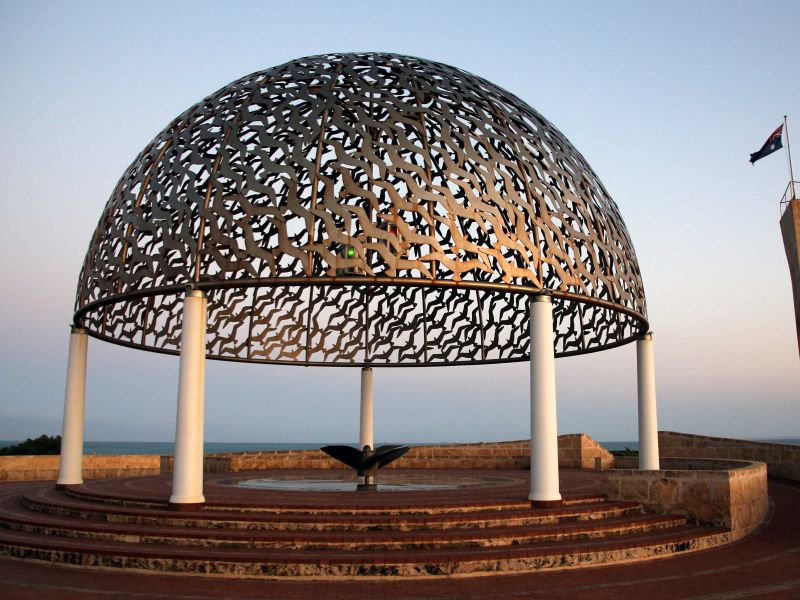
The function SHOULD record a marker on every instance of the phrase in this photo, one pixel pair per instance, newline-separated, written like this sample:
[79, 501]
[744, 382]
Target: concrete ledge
[720, 493]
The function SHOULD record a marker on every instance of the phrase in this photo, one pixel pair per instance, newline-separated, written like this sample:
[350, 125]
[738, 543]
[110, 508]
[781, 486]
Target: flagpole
[789, 151]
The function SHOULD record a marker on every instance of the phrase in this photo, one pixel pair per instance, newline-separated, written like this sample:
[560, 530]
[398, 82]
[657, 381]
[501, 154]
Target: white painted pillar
[544, 427]
[70, 468]
[187, 474]
[648, 420]
[366, 433]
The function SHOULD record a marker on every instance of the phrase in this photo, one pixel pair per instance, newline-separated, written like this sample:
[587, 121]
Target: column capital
[646, 336]
[193, 292]
[544, 296]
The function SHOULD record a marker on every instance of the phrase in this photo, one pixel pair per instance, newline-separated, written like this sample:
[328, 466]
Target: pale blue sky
[665, 100]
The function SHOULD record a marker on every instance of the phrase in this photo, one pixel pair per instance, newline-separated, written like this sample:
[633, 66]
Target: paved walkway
[766, 565]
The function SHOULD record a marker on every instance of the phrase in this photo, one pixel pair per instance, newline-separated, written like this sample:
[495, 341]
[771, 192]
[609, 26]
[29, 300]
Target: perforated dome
[352, 209]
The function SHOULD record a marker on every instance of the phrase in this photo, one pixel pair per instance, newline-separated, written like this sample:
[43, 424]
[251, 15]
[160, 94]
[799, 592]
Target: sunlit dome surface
[352, 209]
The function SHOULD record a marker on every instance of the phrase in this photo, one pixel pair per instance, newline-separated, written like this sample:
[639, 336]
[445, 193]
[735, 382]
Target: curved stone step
[81, 492]
[330, 535]
[21, 520]
[280, 563]
[43, 501]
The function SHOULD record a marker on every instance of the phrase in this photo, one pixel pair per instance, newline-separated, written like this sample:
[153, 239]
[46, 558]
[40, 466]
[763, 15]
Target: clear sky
[665, 100]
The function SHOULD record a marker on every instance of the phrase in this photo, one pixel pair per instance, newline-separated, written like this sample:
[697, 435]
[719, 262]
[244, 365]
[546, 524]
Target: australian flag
[772, 144]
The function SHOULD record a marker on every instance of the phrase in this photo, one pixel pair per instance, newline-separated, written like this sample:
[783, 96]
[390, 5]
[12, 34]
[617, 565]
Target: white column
[187, 474]
[544, 428]
[70, 470]
[366, 435]
[648, 419]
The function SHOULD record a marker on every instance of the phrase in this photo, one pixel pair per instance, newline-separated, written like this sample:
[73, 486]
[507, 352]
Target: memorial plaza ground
[766, 564]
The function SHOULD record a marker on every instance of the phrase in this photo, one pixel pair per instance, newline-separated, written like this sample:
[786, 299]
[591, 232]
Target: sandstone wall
[626, 462]
[721, 493]
[783, 460]
[579, 451]
[94, 466]
[575, 451]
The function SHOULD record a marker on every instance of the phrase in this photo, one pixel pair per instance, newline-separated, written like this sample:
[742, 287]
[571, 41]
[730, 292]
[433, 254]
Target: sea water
[168, 448]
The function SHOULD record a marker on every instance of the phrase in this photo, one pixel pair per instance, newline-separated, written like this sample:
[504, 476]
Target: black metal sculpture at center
[366, 462]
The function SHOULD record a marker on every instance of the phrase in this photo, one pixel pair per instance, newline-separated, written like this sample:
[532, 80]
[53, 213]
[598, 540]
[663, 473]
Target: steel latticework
[353, 209]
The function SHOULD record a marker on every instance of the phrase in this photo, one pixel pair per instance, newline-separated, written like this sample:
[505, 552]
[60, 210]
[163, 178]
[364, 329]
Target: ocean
[167, 448]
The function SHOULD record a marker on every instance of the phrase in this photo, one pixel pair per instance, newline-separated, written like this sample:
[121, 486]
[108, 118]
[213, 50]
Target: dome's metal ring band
[167, 290]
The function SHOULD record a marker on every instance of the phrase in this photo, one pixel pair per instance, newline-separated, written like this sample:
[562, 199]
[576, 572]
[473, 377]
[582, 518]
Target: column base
[185, 506]
[649, 466]
[546, 503]
[63, 486]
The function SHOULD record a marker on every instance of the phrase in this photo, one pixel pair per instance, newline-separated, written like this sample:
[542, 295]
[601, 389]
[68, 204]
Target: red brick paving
[766, 565]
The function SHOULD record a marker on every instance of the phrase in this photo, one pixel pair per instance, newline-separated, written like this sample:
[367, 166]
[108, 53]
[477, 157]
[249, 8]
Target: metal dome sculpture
[362, 209]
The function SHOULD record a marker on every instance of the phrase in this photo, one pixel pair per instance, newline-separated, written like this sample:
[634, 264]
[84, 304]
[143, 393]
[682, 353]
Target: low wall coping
[709, 465]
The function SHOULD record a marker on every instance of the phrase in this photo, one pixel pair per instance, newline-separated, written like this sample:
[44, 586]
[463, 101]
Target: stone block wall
[498, 455]
[749, 498]
[783, 460]
[26, 468]
[626, 462]
[23, 468]
[575, 451]
[721, 493]
[492, 455]
[579, 451]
